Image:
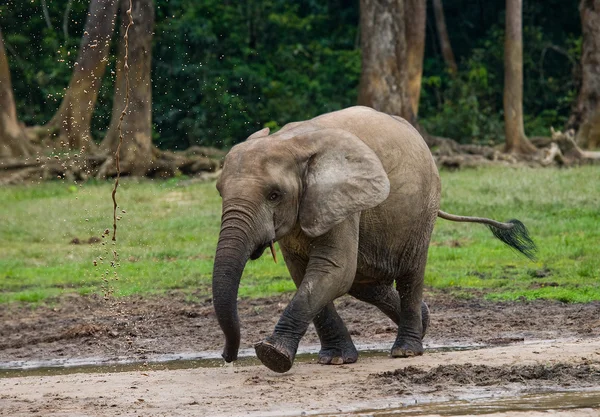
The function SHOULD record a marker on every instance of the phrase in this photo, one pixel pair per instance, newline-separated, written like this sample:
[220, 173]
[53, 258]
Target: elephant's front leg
[337, 347]
[329, 274]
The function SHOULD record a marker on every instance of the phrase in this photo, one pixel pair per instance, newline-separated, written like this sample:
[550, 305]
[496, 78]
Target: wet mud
[560, 374]
[437, 383]
[482, 358]
[138, 329]
[574, 404]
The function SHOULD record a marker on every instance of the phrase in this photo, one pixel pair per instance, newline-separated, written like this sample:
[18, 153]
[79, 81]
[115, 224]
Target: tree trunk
[136, 153]
[71, 123]
[415, 18]
[516, 141]
[440, 23]
[585, 118]
[13, 142]
[384, 76]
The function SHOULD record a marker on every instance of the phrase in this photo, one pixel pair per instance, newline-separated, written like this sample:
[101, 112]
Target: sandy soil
[529, 348]
[309, 388]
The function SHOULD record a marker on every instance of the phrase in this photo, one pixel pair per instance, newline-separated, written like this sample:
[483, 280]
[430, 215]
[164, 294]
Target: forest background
[206, 74]
[222, 70]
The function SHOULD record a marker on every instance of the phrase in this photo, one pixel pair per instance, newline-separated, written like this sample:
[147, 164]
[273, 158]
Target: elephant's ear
[343, 176]
[259, 134]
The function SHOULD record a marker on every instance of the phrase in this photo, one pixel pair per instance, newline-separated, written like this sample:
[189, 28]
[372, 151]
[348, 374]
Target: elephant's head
[271, 183]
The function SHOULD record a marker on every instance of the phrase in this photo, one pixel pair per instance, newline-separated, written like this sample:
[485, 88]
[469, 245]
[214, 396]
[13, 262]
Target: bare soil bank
[310, 388]
[531, 348]
[80, 327]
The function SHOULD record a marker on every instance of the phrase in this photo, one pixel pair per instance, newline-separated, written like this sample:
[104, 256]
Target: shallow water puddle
[176, 361]
[569, 400]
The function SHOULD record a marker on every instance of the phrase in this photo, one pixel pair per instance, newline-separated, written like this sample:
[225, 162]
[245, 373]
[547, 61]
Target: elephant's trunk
[233, 251]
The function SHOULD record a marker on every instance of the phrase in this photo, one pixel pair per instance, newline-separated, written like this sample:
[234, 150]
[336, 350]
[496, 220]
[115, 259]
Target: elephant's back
[393, 139]
[401, 149]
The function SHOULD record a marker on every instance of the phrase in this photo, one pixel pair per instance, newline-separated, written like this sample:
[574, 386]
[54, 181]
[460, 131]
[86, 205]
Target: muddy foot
[406, 348]
[272, 357]
[336, 356]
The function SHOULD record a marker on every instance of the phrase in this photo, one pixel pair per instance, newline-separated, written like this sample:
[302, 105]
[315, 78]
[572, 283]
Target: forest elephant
[352, 197]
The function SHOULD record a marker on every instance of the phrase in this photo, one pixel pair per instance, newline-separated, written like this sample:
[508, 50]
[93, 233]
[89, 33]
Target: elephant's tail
[513, 233]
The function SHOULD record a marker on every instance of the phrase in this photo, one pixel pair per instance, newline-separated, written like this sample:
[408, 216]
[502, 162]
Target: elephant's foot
[338, 356]
[405, 348]
[274, 356]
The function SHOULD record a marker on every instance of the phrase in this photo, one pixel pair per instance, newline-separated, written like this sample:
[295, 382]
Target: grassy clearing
[168, 233]
[561, 208]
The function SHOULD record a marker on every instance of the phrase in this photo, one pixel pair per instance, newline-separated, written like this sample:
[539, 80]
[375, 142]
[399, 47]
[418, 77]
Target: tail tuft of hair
[517, 237]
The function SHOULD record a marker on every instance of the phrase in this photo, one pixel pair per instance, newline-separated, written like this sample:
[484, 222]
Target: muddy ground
[528, 347]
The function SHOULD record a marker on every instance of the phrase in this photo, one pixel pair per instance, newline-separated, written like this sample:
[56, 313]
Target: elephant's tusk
[273, 251]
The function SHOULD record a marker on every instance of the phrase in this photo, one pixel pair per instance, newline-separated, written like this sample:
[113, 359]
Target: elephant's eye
[274, 196]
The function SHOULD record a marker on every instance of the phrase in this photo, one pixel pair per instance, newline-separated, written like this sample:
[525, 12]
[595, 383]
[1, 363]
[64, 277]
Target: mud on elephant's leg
[278, 351]
[336, 344]
[386, 299]
[329, 273]
[411, 324]
[424, 318]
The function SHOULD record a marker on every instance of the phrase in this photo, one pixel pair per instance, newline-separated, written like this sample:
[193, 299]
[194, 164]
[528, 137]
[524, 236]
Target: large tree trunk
[384, 77]
[585, 118]
[13, 142]
[71, 123]
[414, 22]
[136, 152]
[444, 39]
[516, 141]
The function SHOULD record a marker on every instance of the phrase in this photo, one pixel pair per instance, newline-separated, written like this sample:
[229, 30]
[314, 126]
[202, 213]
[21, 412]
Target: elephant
[351, 197]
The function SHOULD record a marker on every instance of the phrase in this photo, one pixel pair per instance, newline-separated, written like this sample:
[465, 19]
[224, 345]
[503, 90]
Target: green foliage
[465, 107]
[468, 107]
[41, 59]
[224, 69]
[166, 240]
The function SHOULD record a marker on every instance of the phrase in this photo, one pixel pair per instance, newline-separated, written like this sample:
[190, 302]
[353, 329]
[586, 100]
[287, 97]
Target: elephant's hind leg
[386, 298]
[336, 344]
[411, 324]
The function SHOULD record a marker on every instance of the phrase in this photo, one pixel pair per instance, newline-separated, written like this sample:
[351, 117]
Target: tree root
[204, 164]
[80, 167]
[558, 150]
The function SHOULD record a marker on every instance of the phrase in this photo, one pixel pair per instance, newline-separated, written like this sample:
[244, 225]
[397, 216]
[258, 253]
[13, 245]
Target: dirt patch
[434, 384]
[73, 332]
[560, 374]
[520, 357]
[530, 347]
[89, 326]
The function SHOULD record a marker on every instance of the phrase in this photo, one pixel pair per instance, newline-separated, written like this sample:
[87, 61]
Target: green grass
[561, 208]
[168, 233]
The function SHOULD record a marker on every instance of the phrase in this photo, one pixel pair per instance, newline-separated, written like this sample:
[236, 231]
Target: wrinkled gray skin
[351, 197]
